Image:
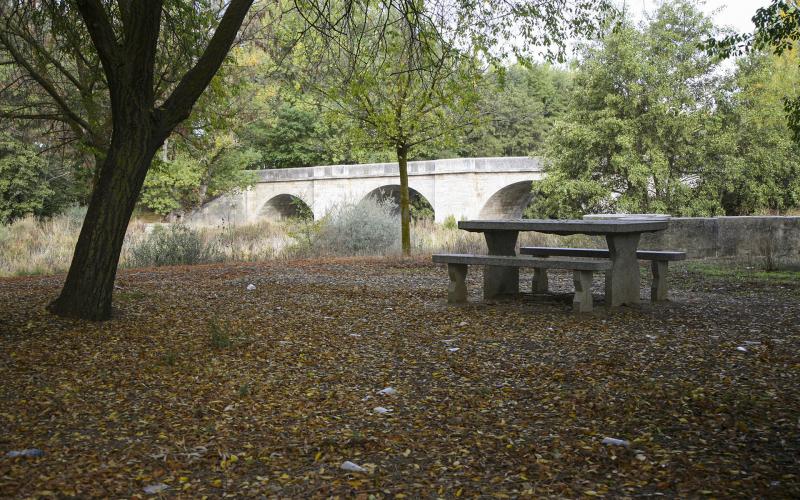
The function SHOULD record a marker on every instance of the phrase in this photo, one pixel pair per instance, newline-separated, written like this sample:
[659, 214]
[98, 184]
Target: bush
[176, 245]
[23, 181]
[368, 228]
[450, 222]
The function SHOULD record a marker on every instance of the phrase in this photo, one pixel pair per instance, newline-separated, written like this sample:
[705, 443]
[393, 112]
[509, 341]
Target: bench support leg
[500, 280]
[582, 302]
[539, 280]
[658, 291]
[457, 290]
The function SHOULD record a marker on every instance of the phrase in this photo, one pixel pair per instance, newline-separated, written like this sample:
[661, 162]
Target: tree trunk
[89, 285]
[127, 51]
[405, 204]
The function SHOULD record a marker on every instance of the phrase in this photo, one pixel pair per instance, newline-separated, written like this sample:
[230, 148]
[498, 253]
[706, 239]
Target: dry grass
[30, 246]
[33, 247]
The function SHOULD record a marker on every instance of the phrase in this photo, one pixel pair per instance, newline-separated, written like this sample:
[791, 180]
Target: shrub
[368, 228]
[174, 246]
[450, 222]
[220, 335]
[23, 181]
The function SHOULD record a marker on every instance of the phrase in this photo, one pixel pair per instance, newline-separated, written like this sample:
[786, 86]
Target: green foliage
[762, 173]
[177, 245]
[303, 211]
[194, 177]
[421, 209]
[778, 30]
[169, 358]
[23, 183]
[220, 337]
[641, 132]
[519, 106]
[450, 222]
[298, 136]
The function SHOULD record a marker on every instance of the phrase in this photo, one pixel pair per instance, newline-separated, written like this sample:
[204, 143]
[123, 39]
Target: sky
[732, 13]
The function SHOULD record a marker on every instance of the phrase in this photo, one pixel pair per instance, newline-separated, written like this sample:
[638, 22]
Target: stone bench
[660, 260]
[457, 265]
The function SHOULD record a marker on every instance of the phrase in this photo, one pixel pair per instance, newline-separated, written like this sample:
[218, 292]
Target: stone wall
[755, 239]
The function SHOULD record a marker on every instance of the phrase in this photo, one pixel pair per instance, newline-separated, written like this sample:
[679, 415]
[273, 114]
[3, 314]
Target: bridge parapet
[415, 168]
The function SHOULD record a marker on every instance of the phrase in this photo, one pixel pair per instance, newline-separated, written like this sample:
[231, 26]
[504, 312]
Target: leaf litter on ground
[147, 399]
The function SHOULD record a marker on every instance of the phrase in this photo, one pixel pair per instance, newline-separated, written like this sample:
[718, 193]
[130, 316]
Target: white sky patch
[735, 14]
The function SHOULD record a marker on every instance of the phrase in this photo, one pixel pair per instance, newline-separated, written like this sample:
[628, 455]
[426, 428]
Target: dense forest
[642, 120]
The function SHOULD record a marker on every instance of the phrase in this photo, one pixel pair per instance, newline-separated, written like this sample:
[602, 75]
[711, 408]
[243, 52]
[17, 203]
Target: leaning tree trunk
[89, 285]
[405, 204]
[127, 51]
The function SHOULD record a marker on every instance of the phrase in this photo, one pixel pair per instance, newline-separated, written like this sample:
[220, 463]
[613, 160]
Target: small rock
[29, 452]
[741, 348]
[155, 488]
[615, 442]
[453, 349]
[463, 323]
[389, 391]
[251, 287]
[640, 457]
[380, 410]
[351, 467]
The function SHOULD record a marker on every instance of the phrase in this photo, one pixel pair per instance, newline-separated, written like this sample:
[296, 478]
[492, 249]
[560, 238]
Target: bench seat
[457, 265]
[659, 258]
[601, 253]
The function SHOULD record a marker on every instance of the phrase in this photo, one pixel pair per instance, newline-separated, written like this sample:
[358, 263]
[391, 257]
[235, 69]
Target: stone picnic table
[622, 237]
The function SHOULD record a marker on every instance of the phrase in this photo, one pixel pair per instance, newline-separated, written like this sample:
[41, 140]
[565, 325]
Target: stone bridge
[464, 188]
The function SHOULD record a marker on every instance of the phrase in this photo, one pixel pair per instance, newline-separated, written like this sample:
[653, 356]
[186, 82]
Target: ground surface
[206, 388]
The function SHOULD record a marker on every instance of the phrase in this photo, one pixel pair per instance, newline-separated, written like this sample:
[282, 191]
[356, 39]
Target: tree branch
[46, 85]
[102, 33]
[179, 104]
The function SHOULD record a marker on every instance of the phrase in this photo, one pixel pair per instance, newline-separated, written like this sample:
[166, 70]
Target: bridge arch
[421, 208]
[508, 202]
[285, 206]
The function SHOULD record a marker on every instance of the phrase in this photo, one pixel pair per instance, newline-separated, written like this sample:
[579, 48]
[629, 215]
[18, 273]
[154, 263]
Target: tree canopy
[777, 30]
[655, 126]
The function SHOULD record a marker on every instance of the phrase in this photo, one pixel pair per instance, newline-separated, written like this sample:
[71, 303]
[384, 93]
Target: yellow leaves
[228, 461]
[522, 415]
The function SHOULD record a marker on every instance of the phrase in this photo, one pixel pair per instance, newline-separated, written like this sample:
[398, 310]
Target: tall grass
[32, 246]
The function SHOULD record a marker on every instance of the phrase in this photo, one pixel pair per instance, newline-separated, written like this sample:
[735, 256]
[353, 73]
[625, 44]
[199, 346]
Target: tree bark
[138, 130]
[89, 286]
[405, 204]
